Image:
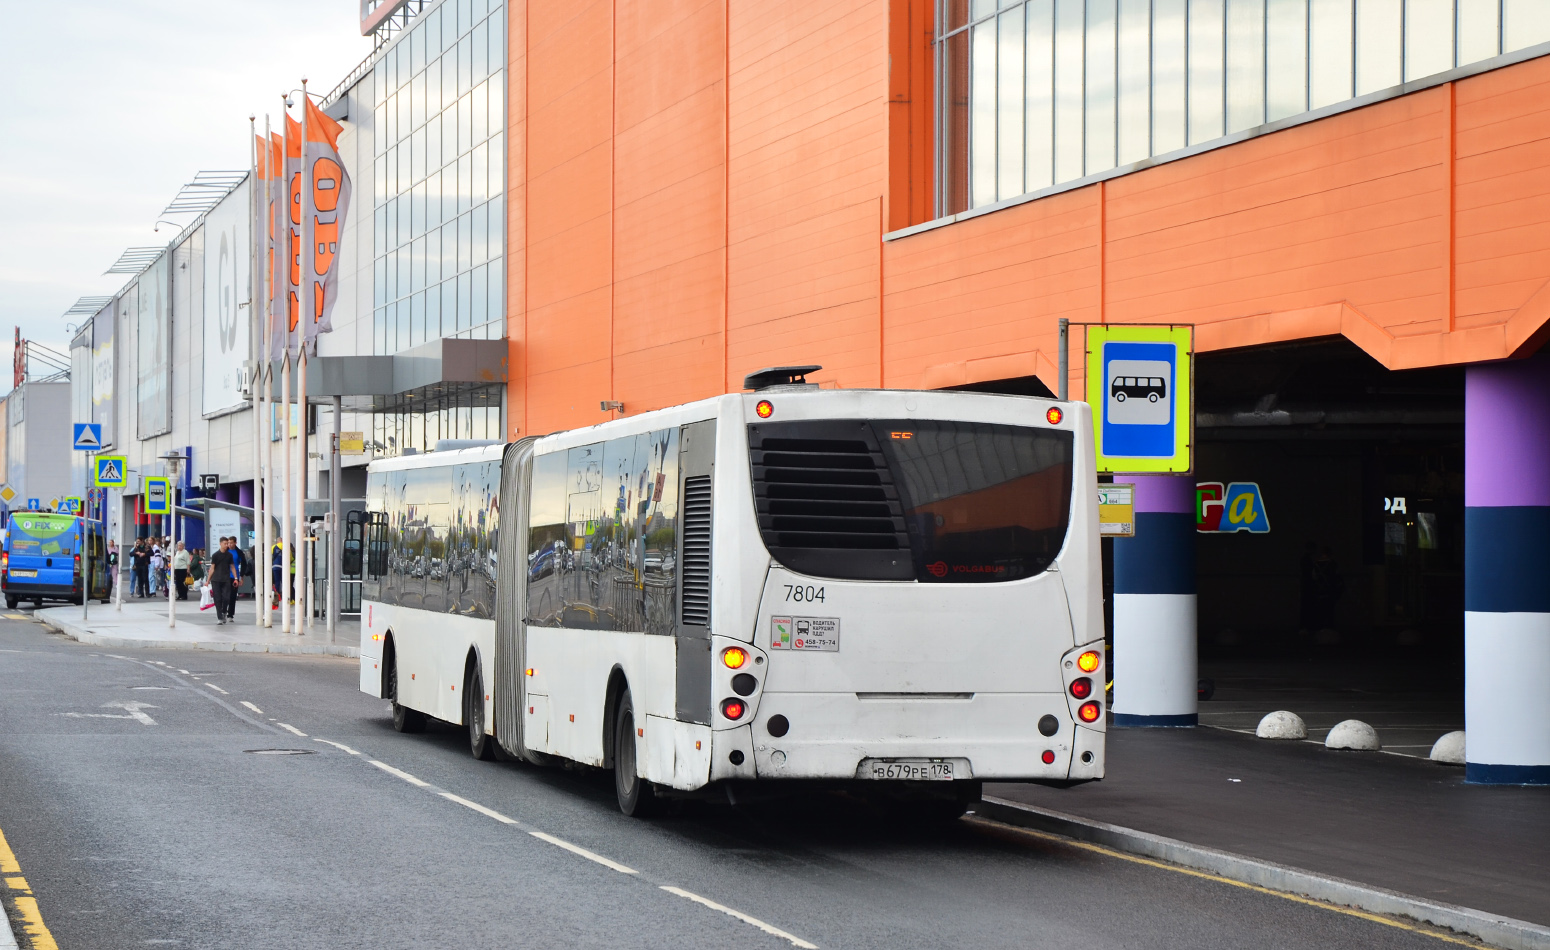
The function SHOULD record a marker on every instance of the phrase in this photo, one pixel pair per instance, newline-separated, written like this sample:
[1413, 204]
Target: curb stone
[102, 640]
[1505, 932]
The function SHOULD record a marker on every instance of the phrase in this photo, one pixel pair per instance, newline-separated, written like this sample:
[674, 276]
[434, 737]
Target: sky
[113, 106]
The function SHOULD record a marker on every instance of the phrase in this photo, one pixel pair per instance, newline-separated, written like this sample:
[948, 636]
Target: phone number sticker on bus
[821, 634]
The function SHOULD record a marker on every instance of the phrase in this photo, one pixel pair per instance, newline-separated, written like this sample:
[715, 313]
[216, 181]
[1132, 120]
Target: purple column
[1154, 606]
[245, 494]
[1507, 572]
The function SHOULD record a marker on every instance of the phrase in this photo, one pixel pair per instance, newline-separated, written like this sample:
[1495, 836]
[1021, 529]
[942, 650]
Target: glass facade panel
[1039, 98]
[1245, 64]
[1286, 58]
[1069, 121]
[1134, 133]
[1330, 47]
[1379, 44]
[440, 119]
[984, 117]
[1009, 108]
[1428, 37]
[1169, 20]
[1100, 120]
[1206, 46]
[1524, 23]
[1479, 30]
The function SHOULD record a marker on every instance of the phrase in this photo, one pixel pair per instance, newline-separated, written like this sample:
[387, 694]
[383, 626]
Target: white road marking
[401, 774]
[184, 672]
[132, 708]
[252, 707]
[291, 729]
[218, 689]
[583, 852]
[754, 921]
[487, 812]
[337, 745]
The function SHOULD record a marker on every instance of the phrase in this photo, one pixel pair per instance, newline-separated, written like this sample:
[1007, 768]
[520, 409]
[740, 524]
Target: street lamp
[174, 461]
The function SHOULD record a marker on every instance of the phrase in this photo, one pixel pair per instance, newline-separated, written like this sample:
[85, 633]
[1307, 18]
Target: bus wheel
[404, 718]
[10, 603]
[636, 797]
[481, 746]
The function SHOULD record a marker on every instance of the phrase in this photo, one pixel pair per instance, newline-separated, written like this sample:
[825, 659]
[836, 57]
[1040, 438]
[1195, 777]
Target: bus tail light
[1089, 712]
[1054, 415]
[734, 657]
[733, 709]
[1089, 661]
[1081, 687]
[764, 409]
[1048, 756]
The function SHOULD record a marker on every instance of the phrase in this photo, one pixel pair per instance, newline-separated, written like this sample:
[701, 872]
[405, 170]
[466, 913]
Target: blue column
[1154, 607]
[1507, 572]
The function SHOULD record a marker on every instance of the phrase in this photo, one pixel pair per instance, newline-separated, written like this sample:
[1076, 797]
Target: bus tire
[636, 797]
[10, 603]
[404, 718]
[480, 745]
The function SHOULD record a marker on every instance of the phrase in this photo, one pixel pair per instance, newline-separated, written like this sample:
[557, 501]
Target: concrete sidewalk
[1391, 822]
[143, 623]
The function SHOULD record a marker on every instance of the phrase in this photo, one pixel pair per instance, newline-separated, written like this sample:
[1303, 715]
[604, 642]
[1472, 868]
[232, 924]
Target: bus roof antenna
[772, 376]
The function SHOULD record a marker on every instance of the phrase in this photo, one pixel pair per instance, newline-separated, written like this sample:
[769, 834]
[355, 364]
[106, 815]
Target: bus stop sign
[1140, 385]
[158, 492]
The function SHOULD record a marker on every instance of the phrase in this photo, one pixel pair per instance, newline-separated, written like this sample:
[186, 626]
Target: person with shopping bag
[180, 561]
[223, 574]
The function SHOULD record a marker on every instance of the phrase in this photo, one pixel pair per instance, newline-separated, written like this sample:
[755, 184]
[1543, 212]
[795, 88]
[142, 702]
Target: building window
[439, 177]
[1037, 93]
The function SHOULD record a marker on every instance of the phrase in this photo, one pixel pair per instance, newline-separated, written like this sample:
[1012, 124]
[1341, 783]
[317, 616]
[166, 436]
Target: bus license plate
[24, 573]
[913, 770]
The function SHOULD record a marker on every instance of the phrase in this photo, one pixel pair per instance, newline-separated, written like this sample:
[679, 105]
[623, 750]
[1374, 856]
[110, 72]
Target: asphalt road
[180, 834]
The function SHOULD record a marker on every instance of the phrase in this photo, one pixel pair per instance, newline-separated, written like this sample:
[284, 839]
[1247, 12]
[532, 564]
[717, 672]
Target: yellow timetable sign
[1117, 511]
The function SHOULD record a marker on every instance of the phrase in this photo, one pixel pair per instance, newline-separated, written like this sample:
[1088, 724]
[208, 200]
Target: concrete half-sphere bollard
[1282, 725]
[1353, 734]
[1449, 750]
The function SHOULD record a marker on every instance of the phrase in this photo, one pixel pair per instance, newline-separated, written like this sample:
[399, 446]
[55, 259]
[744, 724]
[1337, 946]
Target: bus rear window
[933, 501]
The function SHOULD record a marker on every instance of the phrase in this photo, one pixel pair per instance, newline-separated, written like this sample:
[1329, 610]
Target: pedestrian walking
[222, 574]
[140, 564]
[158, 569]
[180, 562]
[112, 561]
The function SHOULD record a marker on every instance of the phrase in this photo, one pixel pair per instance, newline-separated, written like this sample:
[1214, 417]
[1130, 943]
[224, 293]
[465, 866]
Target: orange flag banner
[328, 201]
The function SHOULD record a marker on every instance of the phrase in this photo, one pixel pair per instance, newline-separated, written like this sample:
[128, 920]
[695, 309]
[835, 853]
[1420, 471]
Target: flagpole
[303, 314]
[283, 225]
[256, 343]
[266, 443]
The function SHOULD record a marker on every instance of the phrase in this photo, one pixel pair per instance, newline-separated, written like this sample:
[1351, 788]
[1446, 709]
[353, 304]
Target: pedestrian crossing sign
[110, 471]
[74, 506]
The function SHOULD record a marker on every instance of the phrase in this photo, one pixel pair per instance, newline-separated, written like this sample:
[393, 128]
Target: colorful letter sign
[1225, 509]
[1140, 385]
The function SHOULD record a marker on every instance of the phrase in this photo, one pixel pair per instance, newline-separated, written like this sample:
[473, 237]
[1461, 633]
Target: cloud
[115, 106]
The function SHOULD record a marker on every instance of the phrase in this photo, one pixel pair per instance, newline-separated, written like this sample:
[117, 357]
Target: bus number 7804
[809, 594]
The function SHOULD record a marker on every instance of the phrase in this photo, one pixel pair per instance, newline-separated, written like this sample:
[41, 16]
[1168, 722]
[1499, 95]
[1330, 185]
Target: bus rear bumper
[992, 737]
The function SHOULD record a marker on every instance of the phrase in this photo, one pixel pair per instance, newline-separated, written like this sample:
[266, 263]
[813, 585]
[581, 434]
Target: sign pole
[1065, 359]
[335, 538]
[86, 523]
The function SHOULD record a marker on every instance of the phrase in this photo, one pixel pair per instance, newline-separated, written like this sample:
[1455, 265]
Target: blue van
[46, 557]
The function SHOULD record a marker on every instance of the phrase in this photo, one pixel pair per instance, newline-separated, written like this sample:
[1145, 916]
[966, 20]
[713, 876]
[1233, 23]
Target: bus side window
[546, 539]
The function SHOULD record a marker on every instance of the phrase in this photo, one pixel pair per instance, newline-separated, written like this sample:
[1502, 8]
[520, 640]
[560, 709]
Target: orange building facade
[700, 189]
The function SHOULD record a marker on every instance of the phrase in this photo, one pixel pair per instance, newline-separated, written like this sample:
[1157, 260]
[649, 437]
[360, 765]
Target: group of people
[150, 564]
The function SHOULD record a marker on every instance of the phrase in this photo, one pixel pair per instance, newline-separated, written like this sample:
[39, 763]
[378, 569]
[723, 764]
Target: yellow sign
[7, 493]
[1140, 385]
[1117, 511]
[352, 443]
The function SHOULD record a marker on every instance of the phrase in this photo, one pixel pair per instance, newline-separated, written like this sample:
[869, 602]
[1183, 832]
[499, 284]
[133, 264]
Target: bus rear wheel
[10, 603]
[636, 797]
[404, 718]
[480, 745]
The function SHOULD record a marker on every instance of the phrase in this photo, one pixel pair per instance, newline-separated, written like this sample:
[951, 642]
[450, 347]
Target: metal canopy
[135, 259]
[438, 368]
[87, 306]
[204, 192]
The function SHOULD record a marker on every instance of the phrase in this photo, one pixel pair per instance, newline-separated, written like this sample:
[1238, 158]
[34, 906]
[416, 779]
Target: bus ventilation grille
[696, 551]
[828, 506]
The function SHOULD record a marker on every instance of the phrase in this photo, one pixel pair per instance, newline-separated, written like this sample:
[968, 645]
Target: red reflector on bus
[1088, 661]
[1081, 687]
[1054, 416]
[733, 709]
[765, 409]
[1048, 757]
[1089, 712]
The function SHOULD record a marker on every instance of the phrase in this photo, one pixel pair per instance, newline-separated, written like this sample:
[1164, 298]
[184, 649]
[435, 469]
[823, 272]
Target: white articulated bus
[896, 589]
